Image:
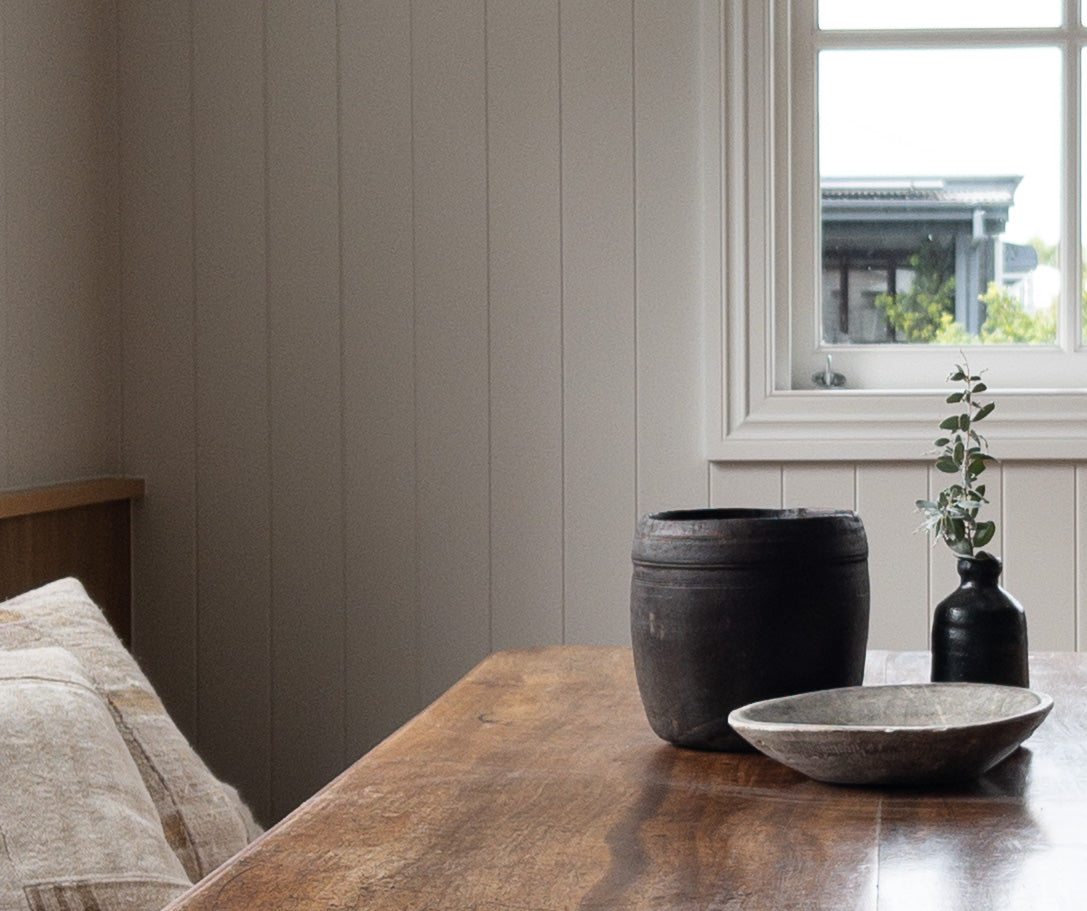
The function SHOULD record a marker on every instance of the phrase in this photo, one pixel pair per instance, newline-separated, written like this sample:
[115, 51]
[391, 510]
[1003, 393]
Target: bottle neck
[979, 570]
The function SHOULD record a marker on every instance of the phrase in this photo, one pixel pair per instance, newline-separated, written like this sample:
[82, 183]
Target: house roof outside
[881, 213]
[913, 198]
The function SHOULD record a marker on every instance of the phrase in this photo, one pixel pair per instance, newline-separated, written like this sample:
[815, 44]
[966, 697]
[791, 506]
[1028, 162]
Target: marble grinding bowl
[904, 734]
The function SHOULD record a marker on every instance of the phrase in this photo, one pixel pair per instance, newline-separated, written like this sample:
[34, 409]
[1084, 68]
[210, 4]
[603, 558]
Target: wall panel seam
[269, 406]
[417, 562]
[488, 306]
[634, 283]
[337, 37]
[1076, 559]
[195, 341]
[562, 334]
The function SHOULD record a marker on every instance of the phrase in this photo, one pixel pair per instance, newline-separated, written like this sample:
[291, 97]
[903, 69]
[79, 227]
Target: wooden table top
[536, 783]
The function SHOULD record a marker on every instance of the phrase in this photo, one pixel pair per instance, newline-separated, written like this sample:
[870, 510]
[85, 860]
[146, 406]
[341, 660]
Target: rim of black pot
[731, 513]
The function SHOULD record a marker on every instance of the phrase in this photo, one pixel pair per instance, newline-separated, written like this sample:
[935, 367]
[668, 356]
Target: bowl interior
[897, 706]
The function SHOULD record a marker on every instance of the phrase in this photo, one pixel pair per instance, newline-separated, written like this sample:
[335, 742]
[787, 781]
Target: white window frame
[756, 417]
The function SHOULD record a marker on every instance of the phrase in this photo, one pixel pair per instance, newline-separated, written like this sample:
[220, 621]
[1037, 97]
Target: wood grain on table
[536, 783]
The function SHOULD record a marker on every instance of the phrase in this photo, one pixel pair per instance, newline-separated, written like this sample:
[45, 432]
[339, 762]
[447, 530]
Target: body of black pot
[730, 606]
[979, 631]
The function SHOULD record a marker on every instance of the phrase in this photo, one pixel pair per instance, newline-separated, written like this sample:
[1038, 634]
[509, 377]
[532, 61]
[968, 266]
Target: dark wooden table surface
[535, 783]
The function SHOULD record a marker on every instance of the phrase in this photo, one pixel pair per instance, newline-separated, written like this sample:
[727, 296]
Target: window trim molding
[752, 419]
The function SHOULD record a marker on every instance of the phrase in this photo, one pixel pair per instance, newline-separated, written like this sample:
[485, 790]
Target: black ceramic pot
[979, 631]
[730, 606]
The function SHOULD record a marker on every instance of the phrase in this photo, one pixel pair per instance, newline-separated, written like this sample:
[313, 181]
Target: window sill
[853, 425]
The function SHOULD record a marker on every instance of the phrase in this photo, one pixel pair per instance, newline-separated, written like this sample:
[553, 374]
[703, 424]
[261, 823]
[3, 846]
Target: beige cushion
[204, 821]
[79, 830]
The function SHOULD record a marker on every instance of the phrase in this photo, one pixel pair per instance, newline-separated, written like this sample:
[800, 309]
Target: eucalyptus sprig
[963, 452]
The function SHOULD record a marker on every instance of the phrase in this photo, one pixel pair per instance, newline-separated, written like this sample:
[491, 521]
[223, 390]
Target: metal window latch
[828, 378]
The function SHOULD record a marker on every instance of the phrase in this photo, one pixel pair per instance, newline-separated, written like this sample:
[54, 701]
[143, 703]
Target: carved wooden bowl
[907, 734]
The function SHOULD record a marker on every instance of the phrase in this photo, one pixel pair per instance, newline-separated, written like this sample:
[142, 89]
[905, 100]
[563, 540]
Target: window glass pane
[866, 14]
[939, 174]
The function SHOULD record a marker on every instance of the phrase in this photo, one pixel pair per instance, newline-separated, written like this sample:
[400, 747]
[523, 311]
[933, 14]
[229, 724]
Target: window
[902, 181]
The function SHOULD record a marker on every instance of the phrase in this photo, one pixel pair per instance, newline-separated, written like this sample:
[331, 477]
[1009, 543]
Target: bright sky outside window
[940, 181]
[867, 14]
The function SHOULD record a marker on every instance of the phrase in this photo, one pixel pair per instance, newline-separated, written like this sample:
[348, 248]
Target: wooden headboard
[81, 529]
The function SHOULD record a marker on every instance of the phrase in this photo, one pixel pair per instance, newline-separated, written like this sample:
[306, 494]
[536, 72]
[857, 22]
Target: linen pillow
[77, 826]
[203, 819]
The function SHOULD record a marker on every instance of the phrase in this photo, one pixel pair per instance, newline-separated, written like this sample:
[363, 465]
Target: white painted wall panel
[452, 348]
[61, 348]
[305, 399]
[1040, 549]
[598, 317]
[670, 85]
[897, 555]
[156, 161]
[382, 600]
[525, 292]
[10, 406]
[819, 486]
[740, 485]
[1081, 558]
[233, 472]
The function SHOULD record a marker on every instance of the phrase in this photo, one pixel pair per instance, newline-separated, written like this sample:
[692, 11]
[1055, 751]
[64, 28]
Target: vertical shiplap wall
[159, 325]
[599, 319]
[452, 351]
[412, 299]
[525, 272]
[231, 600]
[382, 674]
[413, 316]
[60, 349]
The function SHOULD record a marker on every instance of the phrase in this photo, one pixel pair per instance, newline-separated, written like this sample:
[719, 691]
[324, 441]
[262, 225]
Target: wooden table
[535, 783]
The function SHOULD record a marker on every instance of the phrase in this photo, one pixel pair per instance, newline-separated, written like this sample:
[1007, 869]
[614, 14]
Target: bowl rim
[738, 718]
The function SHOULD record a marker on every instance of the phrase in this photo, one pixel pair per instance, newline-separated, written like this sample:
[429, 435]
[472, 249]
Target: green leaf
[984, 411]
[947, 465]
[957, 375]
[954, 398]
[951, 423]
[943, 441]
[980, 387]
[962, 547]
[983, 533]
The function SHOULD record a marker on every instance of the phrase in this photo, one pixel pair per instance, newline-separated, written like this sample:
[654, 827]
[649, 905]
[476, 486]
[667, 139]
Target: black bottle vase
[979, 631]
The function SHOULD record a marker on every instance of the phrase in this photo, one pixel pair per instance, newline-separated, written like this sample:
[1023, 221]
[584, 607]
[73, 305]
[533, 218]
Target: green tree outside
[918, 315]
[926, 313]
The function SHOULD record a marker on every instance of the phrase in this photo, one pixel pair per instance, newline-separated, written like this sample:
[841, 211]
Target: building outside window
[889, 240]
